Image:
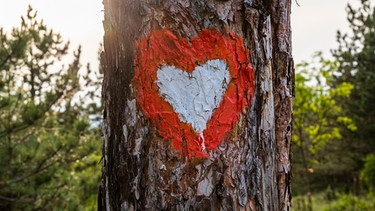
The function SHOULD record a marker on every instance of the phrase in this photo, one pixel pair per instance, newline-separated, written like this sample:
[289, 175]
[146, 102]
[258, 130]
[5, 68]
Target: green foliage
[49, 150]
[368, 172]
[318, 119]
[316, 113]
[351, 203]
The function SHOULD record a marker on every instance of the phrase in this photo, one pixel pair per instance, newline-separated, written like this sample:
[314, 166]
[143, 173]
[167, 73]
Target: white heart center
[194, 96]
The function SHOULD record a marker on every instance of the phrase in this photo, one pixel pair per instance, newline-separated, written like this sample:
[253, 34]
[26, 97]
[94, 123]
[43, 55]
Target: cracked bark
[250, 169]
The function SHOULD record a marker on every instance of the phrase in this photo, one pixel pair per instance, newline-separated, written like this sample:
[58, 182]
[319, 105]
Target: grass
[328, 201]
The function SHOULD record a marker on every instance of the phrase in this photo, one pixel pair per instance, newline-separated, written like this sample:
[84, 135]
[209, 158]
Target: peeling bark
[250, 169]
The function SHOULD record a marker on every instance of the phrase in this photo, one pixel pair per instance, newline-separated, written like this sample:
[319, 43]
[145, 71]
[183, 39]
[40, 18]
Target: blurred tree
[356, 59]
[317, 121]
[48, 129]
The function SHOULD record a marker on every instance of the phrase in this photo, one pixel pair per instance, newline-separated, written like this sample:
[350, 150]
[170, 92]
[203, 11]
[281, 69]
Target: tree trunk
[198, 105]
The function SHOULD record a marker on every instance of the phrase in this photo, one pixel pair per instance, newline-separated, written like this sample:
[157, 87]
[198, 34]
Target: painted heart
[193, 90]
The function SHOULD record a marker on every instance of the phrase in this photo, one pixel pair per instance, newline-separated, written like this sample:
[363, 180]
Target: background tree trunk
[250, 169]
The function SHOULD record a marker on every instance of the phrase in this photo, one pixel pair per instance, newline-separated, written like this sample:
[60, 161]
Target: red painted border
[163, 47]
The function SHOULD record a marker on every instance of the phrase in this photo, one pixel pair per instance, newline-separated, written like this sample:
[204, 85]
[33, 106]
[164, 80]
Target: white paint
[194, 96]
[206, 186]
[137, 146]
[163, 167]
[203, 145]
[131, 112]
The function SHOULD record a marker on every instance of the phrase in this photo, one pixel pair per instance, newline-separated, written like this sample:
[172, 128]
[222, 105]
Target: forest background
[50, 110]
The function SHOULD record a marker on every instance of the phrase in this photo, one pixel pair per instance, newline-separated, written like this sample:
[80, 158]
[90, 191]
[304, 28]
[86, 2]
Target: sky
[314, 23]
[79, 21]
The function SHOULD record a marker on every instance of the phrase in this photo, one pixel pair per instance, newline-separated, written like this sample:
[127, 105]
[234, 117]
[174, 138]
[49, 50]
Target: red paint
[163, 47]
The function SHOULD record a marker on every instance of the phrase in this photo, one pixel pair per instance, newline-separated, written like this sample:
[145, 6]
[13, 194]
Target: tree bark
[147, 168]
